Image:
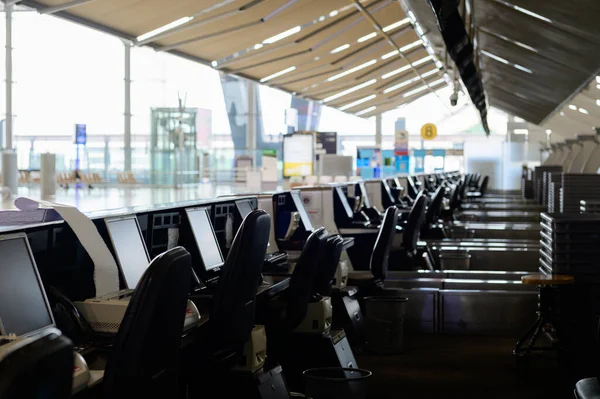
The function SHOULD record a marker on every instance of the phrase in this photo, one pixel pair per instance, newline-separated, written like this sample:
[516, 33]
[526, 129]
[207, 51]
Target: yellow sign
[429, 131]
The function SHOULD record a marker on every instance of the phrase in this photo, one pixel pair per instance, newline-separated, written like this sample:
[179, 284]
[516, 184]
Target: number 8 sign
[429, 131]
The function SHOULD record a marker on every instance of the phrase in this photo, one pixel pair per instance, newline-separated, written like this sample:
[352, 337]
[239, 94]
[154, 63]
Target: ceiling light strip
[351, 90]
[366, 111]
[209, 36]
[352, 70]
[277, 74]
[358, 102]
[141, 41]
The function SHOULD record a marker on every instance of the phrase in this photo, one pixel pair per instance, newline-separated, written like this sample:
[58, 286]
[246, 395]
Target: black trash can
[385, 323]
[336, 383]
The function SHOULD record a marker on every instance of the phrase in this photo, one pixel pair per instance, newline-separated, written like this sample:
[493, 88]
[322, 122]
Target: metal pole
[251, 121]
[378, 132]
[9, 81]
[127, 113]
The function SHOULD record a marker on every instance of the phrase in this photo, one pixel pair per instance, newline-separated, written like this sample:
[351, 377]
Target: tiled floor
[110, 198]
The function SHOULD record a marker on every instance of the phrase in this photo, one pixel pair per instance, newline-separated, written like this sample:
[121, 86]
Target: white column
[8, 8]
[378, 131]
[127, 107]
[251, 121]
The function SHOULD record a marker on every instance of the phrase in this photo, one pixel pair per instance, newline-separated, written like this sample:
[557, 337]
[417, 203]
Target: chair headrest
[383, 244]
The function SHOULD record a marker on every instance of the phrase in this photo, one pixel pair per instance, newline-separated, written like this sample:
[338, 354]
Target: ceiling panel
[232, 36]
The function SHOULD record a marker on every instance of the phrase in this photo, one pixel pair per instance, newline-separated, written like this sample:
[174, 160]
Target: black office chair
[370, 281]
[145, 356]
[328, 266]
[431, 227]
[412, 228]
[304, 277]
[38, 367]
[234, 302]
[480, 192]
[588, 388]
[413, 191]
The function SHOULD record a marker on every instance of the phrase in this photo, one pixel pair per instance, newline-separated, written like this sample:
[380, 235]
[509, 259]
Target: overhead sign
[400, 138]
[298, 154]
[429, 131]
[80, 133]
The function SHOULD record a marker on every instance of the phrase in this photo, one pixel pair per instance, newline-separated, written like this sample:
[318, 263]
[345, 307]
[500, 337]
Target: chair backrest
[484, 185]
[433, 210]
[413, 225]
[383, 244]
[413, 191]
[303, 277]
[328, 266]
[38, 367]
[234, 303]
[146, 352]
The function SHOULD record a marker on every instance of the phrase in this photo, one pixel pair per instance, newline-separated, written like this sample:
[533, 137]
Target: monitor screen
[130, 249]
[205, 237]
[301, 210]
[24, 307]
[244, 208]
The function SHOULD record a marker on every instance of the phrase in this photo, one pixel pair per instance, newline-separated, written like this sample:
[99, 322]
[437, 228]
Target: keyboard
[276, 258]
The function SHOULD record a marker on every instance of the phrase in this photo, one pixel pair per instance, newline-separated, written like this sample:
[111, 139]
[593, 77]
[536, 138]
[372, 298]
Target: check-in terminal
[242, 294]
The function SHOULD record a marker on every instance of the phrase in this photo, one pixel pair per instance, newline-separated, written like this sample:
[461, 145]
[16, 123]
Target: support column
[8, 8]
[378, 131]
[127, 108]
[251, 121]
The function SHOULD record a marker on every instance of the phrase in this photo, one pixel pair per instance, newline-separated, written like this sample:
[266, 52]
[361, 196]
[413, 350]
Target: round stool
[545, 312]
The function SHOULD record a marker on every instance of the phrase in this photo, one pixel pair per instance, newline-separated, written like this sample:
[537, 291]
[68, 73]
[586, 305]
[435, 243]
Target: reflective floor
[100, 198]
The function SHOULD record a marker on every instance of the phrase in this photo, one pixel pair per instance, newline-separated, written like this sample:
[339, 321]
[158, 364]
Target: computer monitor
[24, 307]
[295, 194]
[244, 208]
[129, 247]
[205, 237]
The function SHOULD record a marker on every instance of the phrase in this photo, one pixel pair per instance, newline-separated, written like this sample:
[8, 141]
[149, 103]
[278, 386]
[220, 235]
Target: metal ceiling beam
[391, 42]
[11, 2]
[201, 22]
[64, 6]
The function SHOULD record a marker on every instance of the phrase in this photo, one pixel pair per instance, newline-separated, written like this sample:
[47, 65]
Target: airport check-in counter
[134, 236]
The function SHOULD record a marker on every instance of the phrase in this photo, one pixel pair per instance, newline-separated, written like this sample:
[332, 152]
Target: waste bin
[455, 260]
[385, 323]
[336, 383]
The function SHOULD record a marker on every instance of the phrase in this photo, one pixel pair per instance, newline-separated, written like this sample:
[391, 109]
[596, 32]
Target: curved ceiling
[362, 57]
[534, 55]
